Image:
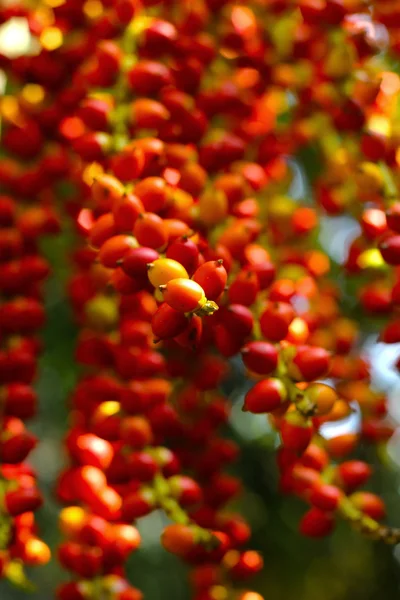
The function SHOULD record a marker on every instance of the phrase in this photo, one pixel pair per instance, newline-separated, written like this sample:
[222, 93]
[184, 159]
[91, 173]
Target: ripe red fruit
[296, 432]
[236, 319]
[184, 295]
[265, 272]
[168, 322]
[153, 193]
[93, 450]
[244, 288]
[192, 334]
[260, 357]
[135, 261]
[326, 497]
[393, 217]
[102, 229]
[150, 231]
[94, 113]
[148, 114]
[109, 56]
[89, 481]
[70, 591]
[114, 249]
[185, 490]
[142, 466]
[322, 396]
[125, 211]
[92, 146]
[316, 523]
[390, 249]
[138, 504]
[354, 473]
[148, 77]
[136, 431]
[212, 277]
[370, 504]
[244, 565]
[186, 252]
[19, 400]
[107, 504]
[266, 396]
[311, 362]
[22, 500]
[276, 319]
[178, 539]
[160, 37]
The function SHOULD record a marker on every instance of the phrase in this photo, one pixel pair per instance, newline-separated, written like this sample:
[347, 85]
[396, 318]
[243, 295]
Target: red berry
[390, 249]
[266, 396]
[168, 322]
[316, 523]
[296, 432]
[312, 362]
[212, 277]
[354, 473]
[275, 320]
[178, 539]
[260, 357]
[325, 496]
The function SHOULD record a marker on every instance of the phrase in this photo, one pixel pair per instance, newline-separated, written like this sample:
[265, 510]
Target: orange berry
[184, 295]
[178, 539]
[150, 231]
[323, 396]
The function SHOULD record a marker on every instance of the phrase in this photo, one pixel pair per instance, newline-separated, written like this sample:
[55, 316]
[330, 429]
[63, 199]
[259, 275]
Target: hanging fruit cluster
[170, 134]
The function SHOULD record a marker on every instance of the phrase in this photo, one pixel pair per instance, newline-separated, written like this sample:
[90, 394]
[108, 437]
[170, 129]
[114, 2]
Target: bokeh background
[343, 567]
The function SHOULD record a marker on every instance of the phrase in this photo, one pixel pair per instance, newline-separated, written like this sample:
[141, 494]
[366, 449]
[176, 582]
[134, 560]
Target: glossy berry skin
[322, 396]
[326, 497]
[390, 249]
[316, 523]
[181, 175]
[184, 295]
[162, 270]
[126, 211]
[370, 504]
[114, 249]
[101, 230]
[275, 321]
[135, 262]
[153, 193]
[393, 217]
[310, 363]
[237, 319]
[296, 432]
[149, 230]
[178, 539]
[148, 77]
[212, 277]
[186, 252]
[260, 357]
[107, 189]
[167, 322]
[244, 289]
[266, 396]
[354, 473]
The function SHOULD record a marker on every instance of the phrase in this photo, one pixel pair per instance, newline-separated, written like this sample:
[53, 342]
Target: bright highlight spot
[51, 38]
[15, 37]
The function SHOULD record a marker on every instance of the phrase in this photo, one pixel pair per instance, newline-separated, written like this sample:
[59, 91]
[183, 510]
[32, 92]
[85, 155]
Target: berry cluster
[22, 270]
[180, 128]
[26, 215]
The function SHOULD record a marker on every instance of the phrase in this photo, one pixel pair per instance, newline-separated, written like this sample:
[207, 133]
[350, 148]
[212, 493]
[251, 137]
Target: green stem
[366, 525]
